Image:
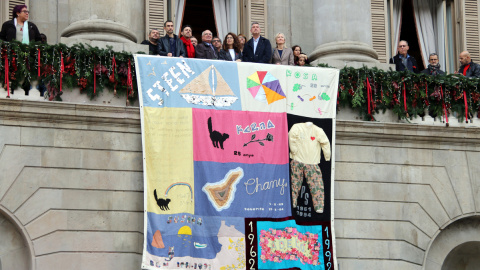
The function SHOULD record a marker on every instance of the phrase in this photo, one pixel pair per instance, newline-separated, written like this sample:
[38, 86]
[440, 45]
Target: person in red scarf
[186, 35]
[468, 68]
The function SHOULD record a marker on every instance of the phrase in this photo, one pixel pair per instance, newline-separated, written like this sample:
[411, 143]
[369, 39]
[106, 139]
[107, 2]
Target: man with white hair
[205, 50]
[468, 68]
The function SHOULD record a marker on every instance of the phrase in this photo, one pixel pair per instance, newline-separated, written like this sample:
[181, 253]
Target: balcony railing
[363, 94]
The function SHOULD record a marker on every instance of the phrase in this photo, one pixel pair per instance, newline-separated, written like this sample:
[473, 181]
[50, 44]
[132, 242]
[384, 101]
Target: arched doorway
[456, 247]
[463, 257]
[14, 252]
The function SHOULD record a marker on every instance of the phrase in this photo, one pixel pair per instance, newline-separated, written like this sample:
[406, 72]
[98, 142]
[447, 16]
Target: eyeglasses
[402, 46]
[25, 11]
[216, 41]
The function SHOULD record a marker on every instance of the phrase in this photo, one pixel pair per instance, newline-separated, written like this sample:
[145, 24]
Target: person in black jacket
[468, 68]
[434, 67]
[170, 45]
[152, 41]
[205, 50]
[20, 28]
[258, 48]
[403, 61]
[230, 50]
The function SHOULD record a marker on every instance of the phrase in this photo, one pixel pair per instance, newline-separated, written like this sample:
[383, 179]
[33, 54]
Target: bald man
[468, 68]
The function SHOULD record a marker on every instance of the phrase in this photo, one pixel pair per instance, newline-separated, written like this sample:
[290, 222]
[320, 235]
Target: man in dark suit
[468, 68]
[205, 50]
[258, 48]
[403, 61]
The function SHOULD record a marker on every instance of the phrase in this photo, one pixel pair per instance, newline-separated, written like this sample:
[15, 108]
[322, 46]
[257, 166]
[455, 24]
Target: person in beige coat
[281, 54]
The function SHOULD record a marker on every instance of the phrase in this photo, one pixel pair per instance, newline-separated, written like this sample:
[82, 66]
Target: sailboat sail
[209, 89]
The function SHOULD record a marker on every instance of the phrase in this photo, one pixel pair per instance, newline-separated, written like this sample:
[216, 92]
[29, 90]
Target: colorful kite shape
[264, 87]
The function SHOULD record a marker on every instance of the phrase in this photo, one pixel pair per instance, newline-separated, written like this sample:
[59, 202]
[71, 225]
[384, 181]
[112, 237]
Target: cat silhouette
[162, 203]
[216, 137]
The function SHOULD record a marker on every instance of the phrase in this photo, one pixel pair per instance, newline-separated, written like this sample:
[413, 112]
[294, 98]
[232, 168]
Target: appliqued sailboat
[209, 89]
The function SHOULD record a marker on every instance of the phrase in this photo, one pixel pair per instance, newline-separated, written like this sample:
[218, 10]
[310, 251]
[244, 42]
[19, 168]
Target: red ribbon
[129, 78]
[426, 95]
[62, 68]
[369, 96]
[466, 105]
[404, 97]
[114, 64]
[94, 81]
[38, 62]
[6, 76]
[444, 106]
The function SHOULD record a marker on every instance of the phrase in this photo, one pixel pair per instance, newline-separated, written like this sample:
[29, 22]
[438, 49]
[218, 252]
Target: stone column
[342, 31]
[119, 21]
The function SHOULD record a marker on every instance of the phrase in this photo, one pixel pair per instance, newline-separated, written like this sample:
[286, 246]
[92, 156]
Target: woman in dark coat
[20, 28]
[230, 50]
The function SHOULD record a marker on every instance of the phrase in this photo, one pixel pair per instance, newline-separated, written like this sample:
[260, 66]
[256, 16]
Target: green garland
[366, 90]
[113, 70]
[407, 94]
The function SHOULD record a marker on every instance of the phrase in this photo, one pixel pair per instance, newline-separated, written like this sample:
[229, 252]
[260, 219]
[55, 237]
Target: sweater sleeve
[324, 143]
[293, 138]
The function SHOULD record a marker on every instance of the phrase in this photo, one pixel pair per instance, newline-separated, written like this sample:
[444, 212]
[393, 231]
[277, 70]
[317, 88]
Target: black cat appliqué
[162, 203]
[216, 137]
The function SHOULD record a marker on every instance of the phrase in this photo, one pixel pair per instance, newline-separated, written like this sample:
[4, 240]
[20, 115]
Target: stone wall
[71, 189]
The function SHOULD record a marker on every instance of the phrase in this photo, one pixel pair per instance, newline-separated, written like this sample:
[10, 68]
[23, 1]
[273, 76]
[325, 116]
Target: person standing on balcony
[217, 43]
[230, 50]
[205, 50]
[258, 48]
[20, 28]
[152, 41]
[281, 54]
[403, 61]
[186, 39]
[170, 45]
[468, 68]
[194, 41]
[434, 67]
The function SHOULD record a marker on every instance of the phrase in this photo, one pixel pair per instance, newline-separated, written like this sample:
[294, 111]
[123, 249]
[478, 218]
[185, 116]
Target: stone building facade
[71, 183]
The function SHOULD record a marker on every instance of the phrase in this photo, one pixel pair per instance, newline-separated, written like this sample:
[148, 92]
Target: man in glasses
[217, 43]
[20, 28]
[403, 61]
[433, 66]
[206, 50]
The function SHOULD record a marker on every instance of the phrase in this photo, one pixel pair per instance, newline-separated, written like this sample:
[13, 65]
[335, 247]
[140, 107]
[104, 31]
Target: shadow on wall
[456, 247]
[14, 253]
[463, 257]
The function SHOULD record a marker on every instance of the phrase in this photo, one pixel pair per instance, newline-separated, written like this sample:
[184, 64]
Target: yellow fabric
[169, 158]
[307, 142]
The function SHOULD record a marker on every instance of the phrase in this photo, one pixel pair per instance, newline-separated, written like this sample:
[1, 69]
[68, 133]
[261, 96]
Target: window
[428, 27]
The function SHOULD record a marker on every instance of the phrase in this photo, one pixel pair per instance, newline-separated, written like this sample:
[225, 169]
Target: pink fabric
[239, 125]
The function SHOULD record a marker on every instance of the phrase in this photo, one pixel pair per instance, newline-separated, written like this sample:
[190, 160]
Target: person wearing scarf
[468, 68]
[20, 28]
[186, 35]
[434, 67]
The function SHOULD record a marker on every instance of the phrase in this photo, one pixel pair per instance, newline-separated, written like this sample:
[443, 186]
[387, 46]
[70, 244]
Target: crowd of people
[233, 48]
[403, 61]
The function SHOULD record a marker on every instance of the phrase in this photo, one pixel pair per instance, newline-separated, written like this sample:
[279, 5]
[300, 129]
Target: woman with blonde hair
[281, 54]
